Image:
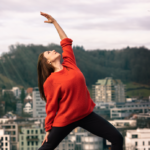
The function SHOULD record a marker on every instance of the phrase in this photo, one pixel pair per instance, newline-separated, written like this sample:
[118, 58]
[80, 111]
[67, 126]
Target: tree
[10, 101]
[22, 95]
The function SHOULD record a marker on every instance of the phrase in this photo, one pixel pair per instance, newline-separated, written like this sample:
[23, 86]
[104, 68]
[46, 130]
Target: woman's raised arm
[57, 26]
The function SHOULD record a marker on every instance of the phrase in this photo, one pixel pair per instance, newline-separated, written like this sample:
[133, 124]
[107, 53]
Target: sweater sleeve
[51, 94]
[68, 54]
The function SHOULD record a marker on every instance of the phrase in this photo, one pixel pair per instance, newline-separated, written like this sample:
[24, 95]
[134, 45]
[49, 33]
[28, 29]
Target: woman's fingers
[43, 142]
[44, 14]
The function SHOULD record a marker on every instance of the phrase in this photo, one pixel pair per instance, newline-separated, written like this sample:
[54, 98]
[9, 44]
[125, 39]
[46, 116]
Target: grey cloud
[95, 10]
[102, 8]
[142, 23]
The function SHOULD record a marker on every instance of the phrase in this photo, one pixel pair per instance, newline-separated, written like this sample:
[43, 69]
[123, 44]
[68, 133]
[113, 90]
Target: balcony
[32, 138]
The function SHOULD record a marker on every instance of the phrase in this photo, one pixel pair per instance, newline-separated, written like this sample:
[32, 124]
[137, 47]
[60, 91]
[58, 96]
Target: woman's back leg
[102, 128]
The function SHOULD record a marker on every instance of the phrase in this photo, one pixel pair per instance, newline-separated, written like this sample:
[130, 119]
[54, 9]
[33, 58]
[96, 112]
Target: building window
[6, 144]
[78, 138]
[22, 143]
[32, 143]
[14, 139]
[149, 143]
[143, 143]
[28, 143]
[134, 136]
[32, 131]
[136, 143]
[6, 138]
[28, 132]
[36, 131]
[21, 137]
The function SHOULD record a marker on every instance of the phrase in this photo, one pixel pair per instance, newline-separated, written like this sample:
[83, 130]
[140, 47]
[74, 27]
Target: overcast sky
[94, 24]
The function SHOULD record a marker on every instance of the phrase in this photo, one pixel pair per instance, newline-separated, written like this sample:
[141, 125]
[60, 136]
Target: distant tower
[108, 90]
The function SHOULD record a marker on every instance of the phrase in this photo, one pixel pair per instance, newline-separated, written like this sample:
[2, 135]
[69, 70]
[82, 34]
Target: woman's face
[51, 55]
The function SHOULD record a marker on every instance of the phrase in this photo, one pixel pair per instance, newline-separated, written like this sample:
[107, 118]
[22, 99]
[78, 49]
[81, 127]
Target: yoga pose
[68, 101]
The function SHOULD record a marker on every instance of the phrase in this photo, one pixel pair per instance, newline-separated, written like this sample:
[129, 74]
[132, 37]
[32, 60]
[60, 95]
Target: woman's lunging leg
[57, 134]
[102, 128]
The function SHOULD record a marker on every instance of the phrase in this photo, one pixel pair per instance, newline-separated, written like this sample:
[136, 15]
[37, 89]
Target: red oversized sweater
[68, 98]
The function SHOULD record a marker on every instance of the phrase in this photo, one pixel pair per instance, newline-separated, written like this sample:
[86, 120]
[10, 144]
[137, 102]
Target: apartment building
[138, 139]
[31, 138]
[19, 106]
[124, 110]
[4, 140]
[85, 140]
[38, 104]
[108, 90]
[11, 129]
[66, 144]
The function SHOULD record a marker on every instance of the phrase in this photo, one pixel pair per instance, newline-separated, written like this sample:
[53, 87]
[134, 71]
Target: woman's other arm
[57, 26]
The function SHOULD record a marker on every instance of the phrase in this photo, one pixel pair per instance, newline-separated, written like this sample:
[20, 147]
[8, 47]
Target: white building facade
[138, 139]
[28, 108]
[4, 140]
[123, 123]
[38, 104]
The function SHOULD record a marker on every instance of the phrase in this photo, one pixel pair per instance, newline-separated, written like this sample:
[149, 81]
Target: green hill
[137, 90]
[19, 65]
[6, 82]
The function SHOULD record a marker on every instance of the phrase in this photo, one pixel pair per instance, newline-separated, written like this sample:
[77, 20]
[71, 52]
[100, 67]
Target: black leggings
[92, 123]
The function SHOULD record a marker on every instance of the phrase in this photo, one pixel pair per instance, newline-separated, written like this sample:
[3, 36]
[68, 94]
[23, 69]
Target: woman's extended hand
[46, 137]
[49, 17]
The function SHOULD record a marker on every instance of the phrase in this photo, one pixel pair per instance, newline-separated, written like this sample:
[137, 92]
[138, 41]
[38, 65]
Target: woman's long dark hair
[44, 70]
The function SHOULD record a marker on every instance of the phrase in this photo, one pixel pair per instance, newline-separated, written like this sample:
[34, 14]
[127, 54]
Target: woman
[68, 102]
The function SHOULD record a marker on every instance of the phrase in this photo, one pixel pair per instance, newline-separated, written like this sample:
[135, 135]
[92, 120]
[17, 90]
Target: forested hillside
[19, 65]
